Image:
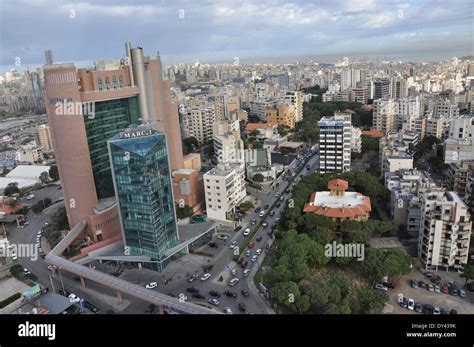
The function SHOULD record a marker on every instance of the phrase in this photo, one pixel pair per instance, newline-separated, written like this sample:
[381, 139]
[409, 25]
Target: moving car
[264, 224]
[151, 285]
[259, 238]
[245, 293]
[251, 244]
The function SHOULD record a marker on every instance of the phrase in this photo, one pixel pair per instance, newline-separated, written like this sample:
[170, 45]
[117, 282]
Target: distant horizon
[277, 60]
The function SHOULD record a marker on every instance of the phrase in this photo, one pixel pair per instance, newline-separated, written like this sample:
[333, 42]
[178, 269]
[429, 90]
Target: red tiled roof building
[337, 203]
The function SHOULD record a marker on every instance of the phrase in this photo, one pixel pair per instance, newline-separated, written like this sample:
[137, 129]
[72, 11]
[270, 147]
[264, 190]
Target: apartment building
[384, 115]
[335, 143]
[224, 188]
[198, 122]
[445, 231]
[283, 114]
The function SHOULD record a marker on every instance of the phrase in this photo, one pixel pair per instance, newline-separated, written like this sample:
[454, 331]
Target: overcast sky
[183, 31]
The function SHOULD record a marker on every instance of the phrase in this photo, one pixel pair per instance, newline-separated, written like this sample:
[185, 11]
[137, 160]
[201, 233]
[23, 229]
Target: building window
[107, 83]
[121, 82]
[114, 82]
[99, 83]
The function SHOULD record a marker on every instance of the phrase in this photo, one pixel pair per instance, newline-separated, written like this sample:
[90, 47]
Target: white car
[436, 310]
[227, 310]
[258, 251]
[262, 213]
[246, 231]
[74, 298]
[246, 272]
[151, 285]
[14, 256]
[411, 304]
[380, 286]
[233, 245]
[233, 281]
[39, 233]
[205, 277]
[26, 271]
[248, 253]
[30, 197]
[233, 272]
[254, 259]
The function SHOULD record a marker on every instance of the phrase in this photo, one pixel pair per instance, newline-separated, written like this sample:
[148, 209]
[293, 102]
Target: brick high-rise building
[86, 108]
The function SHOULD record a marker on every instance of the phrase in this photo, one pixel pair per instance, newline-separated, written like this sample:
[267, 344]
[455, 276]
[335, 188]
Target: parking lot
[423, 296]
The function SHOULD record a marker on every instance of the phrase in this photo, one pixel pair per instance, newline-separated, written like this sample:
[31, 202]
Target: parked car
[414, 284]
[230, 294]
[261, 214]
[411, 304]
[445, 289]
[74, 298]
[150, 309]
[257, 210]
[233, 244]
[248, 253]
[421, 284]
[258, 251]
[389, 285]
[213, 245]
[461, 293]
[238, 228]
[213, 301]
[192, 290]
[30, 197]
[91, 307]
[233, 281]
[254, 259]
[215, 293]
[428, 274]
[266, 207]
[436, 310]
[242, 307]
[192, 278]
[264, 224]
[418, 308]
[227, 310]
[151, 285]
[404, 303]
[437, 289]
[205, 277]
[272, 213]
[253, 221]
[258, 238]
[198, 296]
[246, 272]
[247, 231]
[208, 268]
[430, 287]
[233, 272]
[428, 309]
[380, 286]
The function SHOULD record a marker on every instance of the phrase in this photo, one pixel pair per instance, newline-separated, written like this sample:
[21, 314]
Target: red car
[445, 289]
[251, 245]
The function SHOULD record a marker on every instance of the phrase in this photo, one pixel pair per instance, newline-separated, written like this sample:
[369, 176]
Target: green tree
[189, 144]
[257, 178]
[44, 177]
[54, 173]
[11, 188]
[184, 212]
[246, 205]
[285, 293]
[368, 300]
[468, 272]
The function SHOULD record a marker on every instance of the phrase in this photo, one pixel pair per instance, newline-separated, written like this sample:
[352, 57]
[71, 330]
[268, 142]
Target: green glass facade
[143, 186]
[110, 118]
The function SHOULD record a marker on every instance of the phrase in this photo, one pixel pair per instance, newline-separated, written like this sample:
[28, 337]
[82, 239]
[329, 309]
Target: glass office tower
[143, 187]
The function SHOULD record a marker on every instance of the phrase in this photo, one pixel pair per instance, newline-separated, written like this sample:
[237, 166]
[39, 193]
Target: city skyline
[208, 33]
